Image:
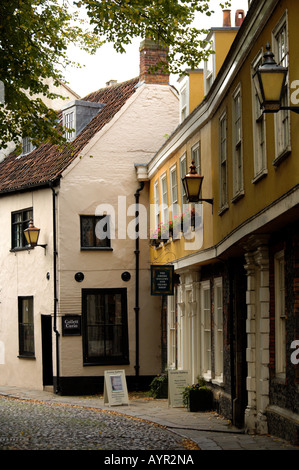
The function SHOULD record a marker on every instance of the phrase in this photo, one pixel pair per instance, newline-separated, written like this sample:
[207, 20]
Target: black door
[239, 341]
[47, 350]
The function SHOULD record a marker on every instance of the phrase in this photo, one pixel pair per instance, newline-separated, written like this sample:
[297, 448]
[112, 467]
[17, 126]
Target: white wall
[24, 273]
[105, 172]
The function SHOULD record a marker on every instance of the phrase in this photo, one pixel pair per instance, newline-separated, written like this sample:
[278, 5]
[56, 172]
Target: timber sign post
[162, 280]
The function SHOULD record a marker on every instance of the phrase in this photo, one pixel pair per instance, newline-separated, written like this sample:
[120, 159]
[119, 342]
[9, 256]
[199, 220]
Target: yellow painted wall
[196, 88]
[223, 40]
[181, 248]
[258, 196]
[280, 179]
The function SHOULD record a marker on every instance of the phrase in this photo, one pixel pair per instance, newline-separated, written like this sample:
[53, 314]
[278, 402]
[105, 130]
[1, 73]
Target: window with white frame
[195, 157]
[209, 67]
[259, 126]
[206, 328]
[69, 124]
[184, 102]
[174, 190]
[280, 317]
[218, 328]
[157, 204]
[172, 333]
[223, 161]
[237, 144]
[183, 172]
[27, 145]
[164, 197]
[282, 118]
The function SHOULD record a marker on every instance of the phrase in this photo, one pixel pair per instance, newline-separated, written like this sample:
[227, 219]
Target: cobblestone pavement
[41, 419]
[40, 426]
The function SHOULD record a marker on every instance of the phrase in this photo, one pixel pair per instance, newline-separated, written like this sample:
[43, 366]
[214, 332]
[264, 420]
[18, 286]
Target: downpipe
[137, 307]
[57, 334]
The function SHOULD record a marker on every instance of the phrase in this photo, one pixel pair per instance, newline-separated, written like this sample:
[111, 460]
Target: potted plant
[155, 237]
[159, 386]
[198, 397]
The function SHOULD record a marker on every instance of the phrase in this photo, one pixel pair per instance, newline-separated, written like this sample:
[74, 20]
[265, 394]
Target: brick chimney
[226, 18]
[151, 54]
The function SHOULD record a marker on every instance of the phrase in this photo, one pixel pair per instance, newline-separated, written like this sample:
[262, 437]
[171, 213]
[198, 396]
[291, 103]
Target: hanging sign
[162, 280]
[177, 381]
[115, 388]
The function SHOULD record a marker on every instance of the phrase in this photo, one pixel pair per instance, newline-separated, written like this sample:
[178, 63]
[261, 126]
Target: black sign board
[71, 325]
[162, 280]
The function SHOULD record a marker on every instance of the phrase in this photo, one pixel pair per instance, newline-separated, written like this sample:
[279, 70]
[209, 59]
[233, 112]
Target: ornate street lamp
[31, 234]
[269, 80]
[192, 183]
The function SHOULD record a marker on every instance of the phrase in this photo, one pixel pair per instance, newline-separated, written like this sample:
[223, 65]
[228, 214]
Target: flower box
[199, 399]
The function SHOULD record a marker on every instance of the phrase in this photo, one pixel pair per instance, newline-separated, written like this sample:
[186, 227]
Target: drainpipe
[57, 334]
[137, 309]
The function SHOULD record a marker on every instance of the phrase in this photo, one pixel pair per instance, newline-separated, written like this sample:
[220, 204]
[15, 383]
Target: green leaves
[170, 22]
[34, 36]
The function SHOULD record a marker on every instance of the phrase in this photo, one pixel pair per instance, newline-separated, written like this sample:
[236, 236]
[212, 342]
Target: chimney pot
[226, 18]
[239, 17]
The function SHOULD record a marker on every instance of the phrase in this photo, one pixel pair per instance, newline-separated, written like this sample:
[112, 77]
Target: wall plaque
[71, 325]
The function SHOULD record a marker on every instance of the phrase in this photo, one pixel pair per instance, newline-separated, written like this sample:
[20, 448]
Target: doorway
[239, 341]
[46, 325]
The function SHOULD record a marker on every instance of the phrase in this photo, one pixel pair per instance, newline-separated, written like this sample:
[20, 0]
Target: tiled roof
[45, 164]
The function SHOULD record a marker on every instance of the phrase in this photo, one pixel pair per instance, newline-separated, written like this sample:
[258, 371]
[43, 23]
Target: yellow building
[233, 318]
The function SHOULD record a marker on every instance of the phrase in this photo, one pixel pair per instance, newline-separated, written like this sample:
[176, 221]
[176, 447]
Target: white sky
[107, 65]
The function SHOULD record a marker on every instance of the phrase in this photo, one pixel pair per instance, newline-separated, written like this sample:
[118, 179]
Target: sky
[107, 64]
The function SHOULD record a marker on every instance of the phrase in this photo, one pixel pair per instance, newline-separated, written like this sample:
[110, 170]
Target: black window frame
[106, 359]
[22, 224]
[104, 244]
[24, 328]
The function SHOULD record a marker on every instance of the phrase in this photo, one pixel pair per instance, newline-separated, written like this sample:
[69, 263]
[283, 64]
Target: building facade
[234, 317]
[70, 308]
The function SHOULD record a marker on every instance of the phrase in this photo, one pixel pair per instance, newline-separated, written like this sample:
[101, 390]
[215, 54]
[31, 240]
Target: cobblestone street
[36, 426]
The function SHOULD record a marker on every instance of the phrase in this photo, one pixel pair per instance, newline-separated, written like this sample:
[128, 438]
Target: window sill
[21, 248]
[207, 376]
[24, 356]
[223, 209]
[218, 381]
[238, 196]
[107, 363]
[96, 248]
[259, 176]
[281, 157]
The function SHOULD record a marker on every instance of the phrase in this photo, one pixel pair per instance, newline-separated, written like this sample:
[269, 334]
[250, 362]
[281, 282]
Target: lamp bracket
[295, 109]
[43, 246]
[210, 201]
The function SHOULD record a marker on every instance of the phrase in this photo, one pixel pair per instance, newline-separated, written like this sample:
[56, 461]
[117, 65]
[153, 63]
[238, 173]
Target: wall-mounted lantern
[269, 80]
[192, 183]
[31, 234]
